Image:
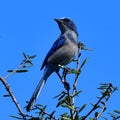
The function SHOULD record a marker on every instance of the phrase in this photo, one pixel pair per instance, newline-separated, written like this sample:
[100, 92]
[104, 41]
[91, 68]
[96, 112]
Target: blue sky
[28, 26]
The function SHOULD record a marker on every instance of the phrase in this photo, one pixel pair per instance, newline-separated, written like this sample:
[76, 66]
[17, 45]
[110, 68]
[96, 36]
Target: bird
[62, 53]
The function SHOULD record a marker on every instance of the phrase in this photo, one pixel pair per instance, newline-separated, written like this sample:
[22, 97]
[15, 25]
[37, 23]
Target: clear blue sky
[28, 26]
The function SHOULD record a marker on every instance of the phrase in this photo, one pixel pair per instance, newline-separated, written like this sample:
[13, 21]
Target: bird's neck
[73, 34]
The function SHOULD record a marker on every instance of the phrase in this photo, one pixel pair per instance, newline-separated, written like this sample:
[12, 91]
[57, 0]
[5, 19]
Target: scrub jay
[62, 52]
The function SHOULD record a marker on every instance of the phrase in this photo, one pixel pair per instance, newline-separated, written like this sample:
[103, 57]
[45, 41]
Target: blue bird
[62, 52]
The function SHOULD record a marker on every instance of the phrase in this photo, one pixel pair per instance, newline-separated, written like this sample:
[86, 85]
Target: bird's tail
[47, 73]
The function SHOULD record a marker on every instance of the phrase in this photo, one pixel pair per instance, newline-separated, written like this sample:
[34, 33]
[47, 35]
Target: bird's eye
[66, 20]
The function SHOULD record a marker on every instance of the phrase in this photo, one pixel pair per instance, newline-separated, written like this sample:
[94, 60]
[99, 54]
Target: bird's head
[66, 24]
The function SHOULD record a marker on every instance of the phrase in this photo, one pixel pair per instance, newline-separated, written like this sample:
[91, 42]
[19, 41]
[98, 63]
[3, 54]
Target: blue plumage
[62, 52]
[57, 44]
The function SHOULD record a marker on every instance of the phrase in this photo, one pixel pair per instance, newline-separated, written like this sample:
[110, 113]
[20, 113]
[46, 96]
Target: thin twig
[43, 112]
[96, 105]
[14, 71]
[76, 80]
[106, 100]
[117, 117]
[102, 110]
[77, 68]
[3, 80]
[12, 96]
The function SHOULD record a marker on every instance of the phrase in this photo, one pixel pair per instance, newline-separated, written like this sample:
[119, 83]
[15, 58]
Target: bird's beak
[58, 20]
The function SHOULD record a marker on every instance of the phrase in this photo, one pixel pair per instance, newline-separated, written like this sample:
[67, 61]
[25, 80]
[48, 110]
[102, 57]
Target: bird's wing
[57, 44]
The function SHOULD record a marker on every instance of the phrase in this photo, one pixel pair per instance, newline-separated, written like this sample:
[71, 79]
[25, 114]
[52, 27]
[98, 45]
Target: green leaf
[68, 106]
[83, 63]
[10, 70]
[67, 86]
[82, 45]
[77, 93]
[73, 71]
[60, 103]
[16, 117]
[18, 71]
[104, 84]
[21, 71]
[98, 97]
[89, 49]
[82, 107]
[57, 96]
[6, 95]
[44, 107]
[33, 56]
[65, 118]
[92, 104]
[64, 114]
[96, 114]
[52, 113]
[42, 110]
[102, 87]
[61, 97]
[90, 118]
[113, 115]
[102, 102]
[25, 56]
[117, 111]
[38, 105]
[115, 88]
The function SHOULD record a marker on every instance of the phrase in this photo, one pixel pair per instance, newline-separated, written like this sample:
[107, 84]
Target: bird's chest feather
[65, 54]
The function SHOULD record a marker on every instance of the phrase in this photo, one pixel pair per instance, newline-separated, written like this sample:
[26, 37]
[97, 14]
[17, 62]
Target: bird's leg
[59, 75]
[63, 77]
[66, 84]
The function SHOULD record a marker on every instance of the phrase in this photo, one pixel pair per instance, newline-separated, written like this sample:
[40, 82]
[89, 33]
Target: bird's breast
[65, 54]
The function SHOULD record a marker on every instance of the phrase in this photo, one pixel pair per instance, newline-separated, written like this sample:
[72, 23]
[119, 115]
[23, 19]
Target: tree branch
[76, 77]
[27, 61]
[12, 96]
[107, 93]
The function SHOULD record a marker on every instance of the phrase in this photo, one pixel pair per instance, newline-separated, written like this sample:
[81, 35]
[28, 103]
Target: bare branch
[12, 96]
